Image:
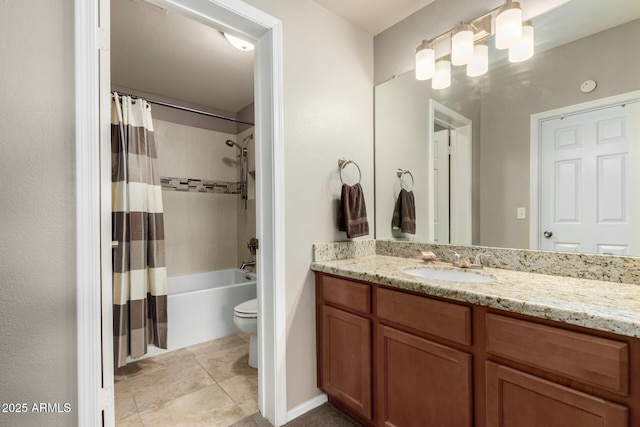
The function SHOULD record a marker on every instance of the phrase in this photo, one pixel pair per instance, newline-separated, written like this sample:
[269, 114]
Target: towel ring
[342, 163]
[400, 173]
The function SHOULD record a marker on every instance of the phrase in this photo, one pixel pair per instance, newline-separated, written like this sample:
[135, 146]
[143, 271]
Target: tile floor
[209, 384]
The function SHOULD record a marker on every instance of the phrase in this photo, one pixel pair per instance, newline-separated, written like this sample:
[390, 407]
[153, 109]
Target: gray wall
[37, 219]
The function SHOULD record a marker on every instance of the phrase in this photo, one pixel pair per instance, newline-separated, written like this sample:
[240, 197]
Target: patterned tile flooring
[209, 384]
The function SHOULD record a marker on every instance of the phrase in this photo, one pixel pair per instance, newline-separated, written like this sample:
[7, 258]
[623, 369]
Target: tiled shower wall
[201, 229]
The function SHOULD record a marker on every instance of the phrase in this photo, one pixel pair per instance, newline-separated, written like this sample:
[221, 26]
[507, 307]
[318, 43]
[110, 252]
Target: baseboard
[305, 407]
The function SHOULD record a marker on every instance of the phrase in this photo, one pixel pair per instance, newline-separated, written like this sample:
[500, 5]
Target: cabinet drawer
[438, 318]
[343, 292]
[591, 360]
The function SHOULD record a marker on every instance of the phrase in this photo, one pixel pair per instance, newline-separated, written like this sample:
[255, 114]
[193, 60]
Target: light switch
[521, 213]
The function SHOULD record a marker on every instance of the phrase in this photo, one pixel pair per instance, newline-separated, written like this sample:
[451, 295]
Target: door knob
[547, 233]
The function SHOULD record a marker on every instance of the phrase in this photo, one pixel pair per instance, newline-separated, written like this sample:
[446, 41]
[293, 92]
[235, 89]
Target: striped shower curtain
[139, 269]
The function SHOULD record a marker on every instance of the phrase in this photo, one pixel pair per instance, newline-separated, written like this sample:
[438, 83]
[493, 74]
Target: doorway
[583, 191]
[449, 165]
[95, 386]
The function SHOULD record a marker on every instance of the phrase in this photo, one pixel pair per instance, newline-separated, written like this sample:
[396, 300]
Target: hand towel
[404, 212]
[352, 216]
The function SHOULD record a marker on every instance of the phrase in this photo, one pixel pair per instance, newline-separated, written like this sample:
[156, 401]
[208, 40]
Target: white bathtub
[200, 306]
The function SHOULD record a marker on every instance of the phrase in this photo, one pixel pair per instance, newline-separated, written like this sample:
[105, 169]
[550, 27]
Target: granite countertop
[605, 306]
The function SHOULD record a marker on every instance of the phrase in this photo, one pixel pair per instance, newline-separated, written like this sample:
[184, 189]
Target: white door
[587, 182]
[441, 185]
[108, 407]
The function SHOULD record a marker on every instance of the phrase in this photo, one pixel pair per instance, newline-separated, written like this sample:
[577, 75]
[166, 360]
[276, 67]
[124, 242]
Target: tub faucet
[247, 264]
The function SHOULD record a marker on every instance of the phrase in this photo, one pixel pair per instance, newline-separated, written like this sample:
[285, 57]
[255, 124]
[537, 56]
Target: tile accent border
[199, 185]
[343, 250]
[607, 268]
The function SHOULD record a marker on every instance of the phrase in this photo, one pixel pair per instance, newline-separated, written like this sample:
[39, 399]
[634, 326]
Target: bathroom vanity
[523, 350]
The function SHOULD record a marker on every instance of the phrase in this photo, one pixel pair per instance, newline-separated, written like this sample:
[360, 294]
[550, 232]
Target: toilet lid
[247, 307]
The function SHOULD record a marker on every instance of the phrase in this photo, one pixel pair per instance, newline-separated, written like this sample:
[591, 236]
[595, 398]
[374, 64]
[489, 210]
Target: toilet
[245, 316]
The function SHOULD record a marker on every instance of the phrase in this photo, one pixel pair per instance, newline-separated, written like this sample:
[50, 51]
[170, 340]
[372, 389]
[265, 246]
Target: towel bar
[400, 173]
[342, 163]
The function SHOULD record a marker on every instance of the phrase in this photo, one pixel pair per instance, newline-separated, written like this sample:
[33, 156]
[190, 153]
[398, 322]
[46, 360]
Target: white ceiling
[164, 54]
[374, 16]
[171, 56]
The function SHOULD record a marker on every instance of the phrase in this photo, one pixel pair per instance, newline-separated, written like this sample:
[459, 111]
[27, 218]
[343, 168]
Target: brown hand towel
[404, 212]
[352, 216]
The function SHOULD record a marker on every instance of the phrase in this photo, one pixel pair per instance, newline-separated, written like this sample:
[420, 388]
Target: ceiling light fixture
[523, 48]
[468, 45]
[425, 61]
[238, 43]
[508, 25]
[442, 76]
[479, 65]
[462, 45]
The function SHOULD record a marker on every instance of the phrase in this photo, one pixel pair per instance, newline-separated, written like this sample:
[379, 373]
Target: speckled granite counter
[605, 306]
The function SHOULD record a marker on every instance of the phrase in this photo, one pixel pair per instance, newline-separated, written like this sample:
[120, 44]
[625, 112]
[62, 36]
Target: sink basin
[449, 276]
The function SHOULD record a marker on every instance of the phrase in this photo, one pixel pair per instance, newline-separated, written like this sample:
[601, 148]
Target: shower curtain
[139, 269]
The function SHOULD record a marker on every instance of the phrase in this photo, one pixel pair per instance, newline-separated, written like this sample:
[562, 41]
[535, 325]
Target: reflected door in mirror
[587, 181]
[441, 186]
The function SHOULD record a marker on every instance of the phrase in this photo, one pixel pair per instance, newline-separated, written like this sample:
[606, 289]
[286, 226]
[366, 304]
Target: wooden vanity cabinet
[517, 399]
[394, 358]
[344, 343]
[421, 382]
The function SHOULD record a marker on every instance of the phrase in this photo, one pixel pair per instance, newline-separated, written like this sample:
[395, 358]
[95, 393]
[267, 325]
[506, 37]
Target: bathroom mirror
[489, 182]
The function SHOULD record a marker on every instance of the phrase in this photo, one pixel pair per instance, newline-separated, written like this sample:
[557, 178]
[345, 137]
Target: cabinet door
[422, 383]
[346, 359]
[516, 399]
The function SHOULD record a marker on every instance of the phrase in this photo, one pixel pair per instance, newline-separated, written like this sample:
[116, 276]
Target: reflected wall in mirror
[500, 106]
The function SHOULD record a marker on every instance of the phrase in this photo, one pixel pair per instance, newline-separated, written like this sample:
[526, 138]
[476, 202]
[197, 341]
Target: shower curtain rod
[191, 110]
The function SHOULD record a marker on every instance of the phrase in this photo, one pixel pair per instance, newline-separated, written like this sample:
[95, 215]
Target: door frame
[459, 172]
[535, 142]
[93, 234]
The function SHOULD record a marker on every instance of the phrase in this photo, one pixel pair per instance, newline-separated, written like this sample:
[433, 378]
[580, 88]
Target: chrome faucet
[247, 264]
[477, 263]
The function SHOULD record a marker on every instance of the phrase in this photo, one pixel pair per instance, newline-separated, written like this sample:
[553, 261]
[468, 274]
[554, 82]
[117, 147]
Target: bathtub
[200, 306]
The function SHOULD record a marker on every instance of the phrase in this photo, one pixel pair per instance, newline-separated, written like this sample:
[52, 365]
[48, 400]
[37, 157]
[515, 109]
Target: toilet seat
[247, 310]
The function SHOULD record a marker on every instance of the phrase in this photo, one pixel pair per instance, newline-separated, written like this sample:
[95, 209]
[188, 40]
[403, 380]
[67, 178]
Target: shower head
[230, 143]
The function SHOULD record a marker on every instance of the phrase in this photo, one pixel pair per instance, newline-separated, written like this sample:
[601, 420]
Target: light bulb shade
[508, 25]
[442, 76]
[425, 61]
[523, 49]
[462, 45]
[238, 43]
[479, 65]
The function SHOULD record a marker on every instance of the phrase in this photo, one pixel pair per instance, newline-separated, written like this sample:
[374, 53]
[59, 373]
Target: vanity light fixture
[508, 25]
[479, 64]
[462, 45]
[523, 48]
[442, 77]
[238, 43]
[468, 44]
[425, 61]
